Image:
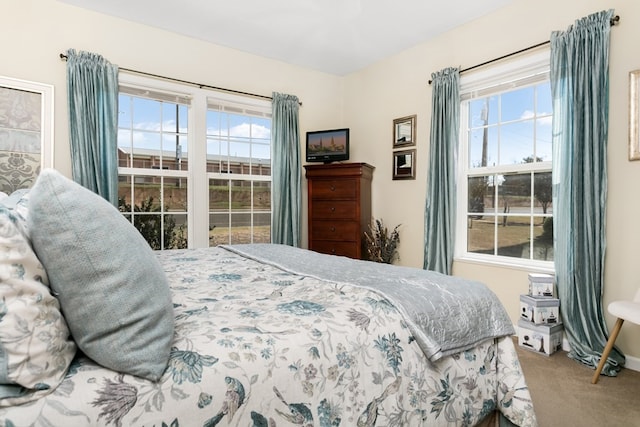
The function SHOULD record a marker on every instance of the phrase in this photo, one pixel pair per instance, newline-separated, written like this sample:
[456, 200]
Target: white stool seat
[627, 310]
[623, 310]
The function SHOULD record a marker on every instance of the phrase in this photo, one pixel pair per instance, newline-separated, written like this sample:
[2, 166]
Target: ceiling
[332, 36]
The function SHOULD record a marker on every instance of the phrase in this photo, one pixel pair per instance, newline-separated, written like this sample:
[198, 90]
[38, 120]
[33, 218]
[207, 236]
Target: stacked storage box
[540, 327]
[541, 285]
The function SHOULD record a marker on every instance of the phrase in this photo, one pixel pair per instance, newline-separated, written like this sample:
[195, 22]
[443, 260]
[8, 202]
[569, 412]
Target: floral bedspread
[445, 314]
[256, 345]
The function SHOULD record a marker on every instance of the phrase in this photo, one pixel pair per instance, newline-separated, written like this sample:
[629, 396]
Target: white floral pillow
[35, 345]
[18, 203]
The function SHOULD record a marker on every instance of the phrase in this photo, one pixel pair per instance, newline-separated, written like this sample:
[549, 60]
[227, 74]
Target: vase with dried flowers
[382, 245]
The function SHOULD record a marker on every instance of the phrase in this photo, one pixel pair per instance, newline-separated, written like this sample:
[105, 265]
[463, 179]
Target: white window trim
[471, 85]
[504, 73]
[197, 175]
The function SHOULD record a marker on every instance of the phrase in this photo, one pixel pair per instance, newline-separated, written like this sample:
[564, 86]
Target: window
[239, 171]
[26, 132]
[194, 164]
[505, 211]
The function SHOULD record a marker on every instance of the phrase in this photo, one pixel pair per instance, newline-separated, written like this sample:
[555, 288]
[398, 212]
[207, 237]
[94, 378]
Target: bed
[270, 335]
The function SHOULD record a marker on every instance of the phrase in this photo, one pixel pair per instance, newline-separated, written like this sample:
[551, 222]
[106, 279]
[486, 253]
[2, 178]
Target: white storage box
[541, 285]
[541, 277]
[540, 310]
[540, 338]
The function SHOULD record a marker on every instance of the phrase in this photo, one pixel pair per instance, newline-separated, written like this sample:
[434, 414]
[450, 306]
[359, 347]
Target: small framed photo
[404, 131]
[404, 164]
[634, 114]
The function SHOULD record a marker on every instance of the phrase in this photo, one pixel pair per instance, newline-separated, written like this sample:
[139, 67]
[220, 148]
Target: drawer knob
[333, 209]
[333, 229]
[332, 188]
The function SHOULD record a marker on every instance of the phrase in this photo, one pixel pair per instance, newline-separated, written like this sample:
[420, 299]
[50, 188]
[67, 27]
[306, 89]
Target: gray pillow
[111, 287]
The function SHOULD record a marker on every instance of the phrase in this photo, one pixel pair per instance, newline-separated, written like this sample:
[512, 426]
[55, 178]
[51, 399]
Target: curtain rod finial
[615, 20]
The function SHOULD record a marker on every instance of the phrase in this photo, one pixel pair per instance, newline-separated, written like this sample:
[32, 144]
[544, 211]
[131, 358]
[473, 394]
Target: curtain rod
[613, 21]
[200, 85]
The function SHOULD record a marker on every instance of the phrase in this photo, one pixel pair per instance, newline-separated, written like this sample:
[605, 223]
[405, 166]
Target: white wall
[398, 86]
[34, 32]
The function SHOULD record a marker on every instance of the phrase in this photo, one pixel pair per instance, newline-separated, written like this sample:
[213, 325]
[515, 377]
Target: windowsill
[510, 263]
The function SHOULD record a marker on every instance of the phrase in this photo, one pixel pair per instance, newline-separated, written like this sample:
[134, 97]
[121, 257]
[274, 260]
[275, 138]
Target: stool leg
[607, 349]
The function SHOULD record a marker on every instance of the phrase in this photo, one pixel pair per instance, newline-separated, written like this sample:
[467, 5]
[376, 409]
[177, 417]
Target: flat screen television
[327, 146]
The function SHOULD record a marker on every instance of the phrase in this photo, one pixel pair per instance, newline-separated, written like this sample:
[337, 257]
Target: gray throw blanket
[445, 314]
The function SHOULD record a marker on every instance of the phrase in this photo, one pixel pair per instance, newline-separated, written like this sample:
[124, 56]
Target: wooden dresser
[339, 207]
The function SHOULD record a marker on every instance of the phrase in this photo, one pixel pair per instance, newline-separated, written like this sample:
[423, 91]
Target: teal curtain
[580, 91]
[440, 212]
[92, 90]
[286, 171]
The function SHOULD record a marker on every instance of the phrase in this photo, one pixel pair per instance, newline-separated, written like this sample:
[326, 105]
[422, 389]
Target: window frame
[246, 104]
[494, 80]
[197, 175]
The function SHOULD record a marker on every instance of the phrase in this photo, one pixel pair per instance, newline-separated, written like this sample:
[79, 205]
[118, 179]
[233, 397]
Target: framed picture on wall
[404, 131]
[404, 164]
[26, 132]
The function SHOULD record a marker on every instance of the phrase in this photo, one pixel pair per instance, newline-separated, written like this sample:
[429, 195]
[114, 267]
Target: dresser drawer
[335, 230]
[334, 189]
[335, 209]
[348, 249]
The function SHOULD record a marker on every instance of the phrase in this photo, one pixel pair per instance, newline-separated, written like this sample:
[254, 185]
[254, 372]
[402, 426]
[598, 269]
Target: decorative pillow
[12, 200]
[35, 345]
[111, 287]
[21, 202]
[18, 203]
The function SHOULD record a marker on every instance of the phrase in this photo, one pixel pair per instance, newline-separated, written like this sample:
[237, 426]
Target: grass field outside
[239, 234]
[513, 237]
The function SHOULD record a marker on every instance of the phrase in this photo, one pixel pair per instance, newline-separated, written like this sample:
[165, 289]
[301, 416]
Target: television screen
[328, 145]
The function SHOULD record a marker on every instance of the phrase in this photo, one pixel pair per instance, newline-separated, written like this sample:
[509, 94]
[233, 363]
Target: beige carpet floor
[563, 395]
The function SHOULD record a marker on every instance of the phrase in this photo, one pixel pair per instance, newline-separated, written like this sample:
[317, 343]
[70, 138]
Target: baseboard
[631, 362]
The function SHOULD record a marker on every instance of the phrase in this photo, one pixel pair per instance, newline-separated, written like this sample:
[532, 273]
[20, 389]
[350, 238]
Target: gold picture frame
[404, 131]
[634, 112]
[404, 164]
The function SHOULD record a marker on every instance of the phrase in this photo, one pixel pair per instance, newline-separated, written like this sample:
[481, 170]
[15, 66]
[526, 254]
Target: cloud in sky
[528, 114]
